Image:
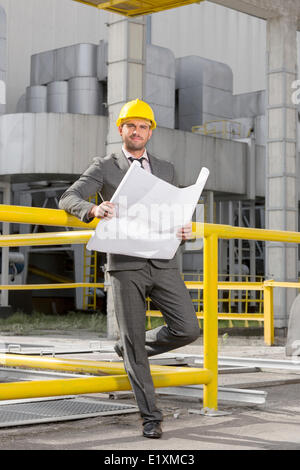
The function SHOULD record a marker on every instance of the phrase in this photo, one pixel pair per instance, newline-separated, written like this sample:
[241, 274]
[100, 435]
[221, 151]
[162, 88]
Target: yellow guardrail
[211, 234]
[261, 317]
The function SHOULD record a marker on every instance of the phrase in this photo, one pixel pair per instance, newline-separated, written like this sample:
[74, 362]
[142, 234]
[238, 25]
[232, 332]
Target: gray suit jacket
[104, 176]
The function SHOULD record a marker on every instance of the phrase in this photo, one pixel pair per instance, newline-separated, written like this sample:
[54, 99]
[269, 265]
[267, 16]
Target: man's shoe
[152, 429]
[118, 350]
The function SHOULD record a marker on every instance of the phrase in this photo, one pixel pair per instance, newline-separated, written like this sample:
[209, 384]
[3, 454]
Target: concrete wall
[35, 146]
[225, 159]
[43, 146]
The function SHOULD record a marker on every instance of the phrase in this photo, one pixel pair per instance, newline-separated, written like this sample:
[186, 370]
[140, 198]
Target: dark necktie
[139, 160]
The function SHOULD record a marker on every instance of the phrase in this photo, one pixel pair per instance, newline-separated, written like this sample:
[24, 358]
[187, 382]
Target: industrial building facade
[207, 78]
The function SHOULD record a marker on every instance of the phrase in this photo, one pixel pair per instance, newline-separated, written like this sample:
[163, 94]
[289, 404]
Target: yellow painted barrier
[62, 285]
[210, 331]
[115, 378]
[38, 216]
[79, 237]
[211, 234]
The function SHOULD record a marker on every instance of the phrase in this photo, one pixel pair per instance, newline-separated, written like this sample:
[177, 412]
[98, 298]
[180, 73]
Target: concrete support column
[126, 82]
[126, 69]
[281, 162]
[6, 189]
[210, 206]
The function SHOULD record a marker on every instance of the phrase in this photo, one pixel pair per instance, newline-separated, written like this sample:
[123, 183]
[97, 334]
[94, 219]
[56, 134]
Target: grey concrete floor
[274, 425]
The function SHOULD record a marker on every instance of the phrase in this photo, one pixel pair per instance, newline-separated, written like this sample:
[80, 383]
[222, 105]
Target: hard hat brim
[122, 121]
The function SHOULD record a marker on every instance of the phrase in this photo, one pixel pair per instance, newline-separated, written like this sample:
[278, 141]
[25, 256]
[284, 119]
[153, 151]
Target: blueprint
[149, 211]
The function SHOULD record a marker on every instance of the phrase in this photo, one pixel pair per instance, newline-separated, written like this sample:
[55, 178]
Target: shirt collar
[128, 155]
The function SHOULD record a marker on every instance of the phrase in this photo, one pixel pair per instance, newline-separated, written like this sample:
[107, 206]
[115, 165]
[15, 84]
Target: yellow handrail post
[210, 326]
[268, 315]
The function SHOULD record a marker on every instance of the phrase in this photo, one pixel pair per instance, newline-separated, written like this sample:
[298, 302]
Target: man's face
[135, 134]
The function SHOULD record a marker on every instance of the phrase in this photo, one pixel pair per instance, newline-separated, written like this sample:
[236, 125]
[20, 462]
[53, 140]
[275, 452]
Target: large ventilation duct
[85, 96]
[160, 84]
[36, 99]
[204, 91]
[57, 97]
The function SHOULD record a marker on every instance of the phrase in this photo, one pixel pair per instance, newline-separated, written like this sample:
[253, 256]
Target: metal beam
[264, 9]
[273, 364]
[257, 397]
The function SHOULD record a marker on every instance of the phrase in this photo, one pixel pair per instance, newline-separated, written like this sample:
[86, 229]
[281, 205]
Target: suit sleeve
[75, 199]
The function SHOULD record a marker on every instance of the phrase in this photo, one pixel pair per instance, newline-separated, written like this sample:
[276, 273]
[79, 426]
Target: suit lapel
[121, 161]
[155, 166]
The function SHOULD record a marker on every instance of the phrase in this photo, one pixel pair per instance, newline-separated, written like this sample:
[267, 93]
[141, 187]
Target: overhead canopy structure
[264, 9]
[133, 8]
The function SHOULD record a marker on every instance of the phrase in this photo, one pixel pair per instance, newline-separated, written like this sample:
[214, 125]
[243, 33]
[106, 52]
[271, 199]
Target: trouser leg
[129, 290]
[171, 297]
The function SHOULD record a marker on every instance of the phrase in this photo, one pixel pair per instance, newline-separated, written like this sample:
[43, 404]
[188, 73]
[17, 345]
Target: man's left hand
[185, 232]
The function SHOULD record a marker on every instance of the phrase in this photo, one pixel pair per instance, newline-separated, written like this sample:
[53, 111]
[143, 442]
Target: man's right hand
[106, 210]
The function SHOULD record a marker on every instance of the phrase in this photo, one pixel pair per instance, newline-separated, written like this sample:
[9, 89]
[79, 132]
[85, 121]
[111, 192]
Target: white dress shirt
[145, 162]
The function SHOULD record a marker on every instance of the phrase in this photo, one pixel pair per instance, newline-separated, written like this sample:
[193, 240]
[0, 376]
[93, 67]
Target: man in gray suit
[133, 278]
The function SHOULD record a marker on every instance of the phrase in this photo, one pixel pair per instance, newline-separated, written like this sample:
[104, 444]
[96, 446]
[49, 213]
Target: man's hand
[185, 232]
[106, 210]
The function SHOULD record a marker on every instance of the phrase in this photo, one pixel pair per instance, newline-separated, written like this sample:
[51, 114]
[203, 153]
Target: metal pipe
[80, 237]
[210, 333]
[85, 366]
[268, 315]
[51, 238]
[163, 376]
[246, 233]
[79, 386]
[41, 216]
[64, 285]
[192, 285]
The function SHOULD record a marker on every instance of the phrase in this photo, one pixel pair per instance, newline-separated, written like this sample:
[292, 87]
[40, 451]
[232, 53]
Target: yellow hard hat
[136, 109]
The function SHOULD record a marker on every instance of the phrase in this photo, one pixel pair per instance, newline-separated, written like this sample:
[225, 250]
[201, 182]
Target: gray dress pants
[168, 293]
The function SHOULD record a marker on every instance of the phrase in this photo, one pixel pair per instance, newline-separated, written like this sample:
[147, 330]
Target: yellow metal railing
[90, 272]
[117, 380]
[247, 302]
[228, 316]
[165, 376]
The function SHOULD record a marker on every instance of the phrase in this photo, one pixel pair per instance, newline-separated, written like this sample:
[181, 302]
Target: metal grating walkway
[20, 413]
